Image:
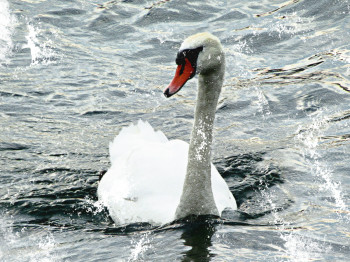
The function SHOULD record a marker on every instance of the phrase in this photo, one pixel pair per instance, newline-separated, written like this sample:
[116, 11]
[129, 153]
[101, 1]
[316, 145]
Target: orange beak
[183, 73]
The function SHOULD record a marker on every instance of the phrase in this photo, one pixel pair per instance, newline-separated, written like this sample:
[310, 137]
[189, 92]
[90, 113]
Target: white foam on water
[7, 25]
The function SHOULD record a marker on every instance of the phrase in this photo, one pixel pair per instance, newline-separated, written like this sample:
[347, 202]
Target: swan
[156, 180]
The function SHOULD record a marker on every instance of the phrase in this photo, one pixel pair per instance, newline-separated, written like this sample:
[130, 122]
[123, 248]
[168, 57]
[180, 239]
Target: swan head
[199, 54]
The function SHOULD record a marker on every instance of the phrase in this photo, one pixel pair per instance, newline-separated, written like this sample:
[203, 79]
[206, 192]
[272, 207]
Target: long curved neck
[197, 195]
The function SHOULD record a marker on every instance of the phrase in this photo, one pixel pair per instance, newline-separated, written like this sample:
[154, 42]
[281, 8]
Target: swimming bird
[156, 180]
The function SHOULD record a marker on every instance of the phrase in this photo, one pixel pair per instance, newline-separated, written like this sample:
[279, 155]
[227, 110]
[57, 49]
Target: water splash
[308, 139]
[140, 247]
[7, 25]
[300, 248]
[263, 103]
[38, 247]
[291, 24]
[40, 49]
[296, 246]
[93, 207]
[46, 245]
[7, 237]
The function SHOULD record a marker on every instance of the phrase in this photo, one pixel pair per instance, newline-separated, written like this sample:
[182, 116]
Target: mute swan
[152, 179]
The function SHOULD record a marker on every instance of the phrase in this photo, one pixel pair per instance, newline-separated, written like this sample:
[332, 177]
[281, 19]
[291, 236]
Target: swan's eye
[180, 58]
[190, 54]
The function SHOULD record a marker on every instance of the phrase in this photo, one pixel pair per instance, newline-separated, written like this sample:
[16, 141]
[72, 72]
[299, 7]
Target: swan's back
[145, 181]
[134, 136]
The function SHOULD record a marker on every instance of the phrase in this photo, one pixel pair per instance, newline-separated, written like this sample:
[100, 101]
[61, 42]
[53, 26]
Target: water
[73, 73]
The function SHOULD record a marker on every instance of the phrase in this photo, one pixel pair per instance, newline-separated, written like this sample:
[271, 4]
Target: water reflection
[197, 235]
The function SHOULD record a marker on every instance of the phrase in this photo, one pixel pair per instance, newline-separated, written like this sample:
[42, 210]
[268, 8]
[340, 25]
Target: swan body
[145, 181]
[156, 180]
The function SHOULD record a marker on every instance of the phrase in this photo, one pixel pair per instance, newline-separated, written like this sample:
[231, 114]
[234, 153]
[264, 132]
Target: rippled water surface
[73, 73]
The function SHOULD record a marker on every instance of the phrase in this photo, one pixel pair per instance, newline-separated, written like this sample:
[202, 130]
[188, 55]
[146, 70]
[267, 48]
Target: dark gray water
[73, 73]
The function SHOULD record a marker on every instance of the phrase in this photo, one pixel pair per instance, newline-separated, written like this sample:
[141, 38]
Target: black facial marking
[101, 174]
[191, 55]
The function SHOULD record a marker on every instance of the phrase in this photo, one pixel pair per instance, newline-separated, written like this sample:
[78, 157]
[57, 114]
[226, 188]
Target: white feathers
[198, 40]
[146, 177]
[132, 136]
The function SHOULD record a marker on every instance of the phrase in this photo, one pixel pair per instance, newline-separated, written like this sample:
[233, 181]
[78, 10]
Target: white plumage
[146, 177]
